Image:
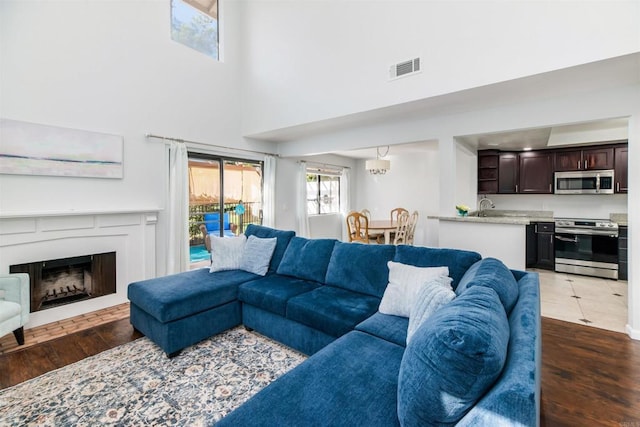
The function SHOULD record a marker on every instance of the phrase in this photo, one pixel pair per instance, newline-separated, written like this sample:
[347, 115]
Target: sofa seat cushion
[265, 233]
[492, 273]
[360, 268]
[457, 260]
[334, 311]
[389, 328]
[272, 292]
[452, 359]
[307, 258]
[180, 295]
[351, 382]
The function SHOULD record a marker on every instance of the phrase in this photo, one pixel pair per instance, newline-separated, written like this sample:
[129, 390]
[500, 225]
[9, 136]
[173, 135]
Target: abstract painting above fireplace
[64, 281]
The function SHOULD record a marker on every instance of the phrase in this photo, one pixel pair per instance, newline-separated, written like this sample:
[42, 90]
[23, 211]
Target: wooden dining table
[384, 225]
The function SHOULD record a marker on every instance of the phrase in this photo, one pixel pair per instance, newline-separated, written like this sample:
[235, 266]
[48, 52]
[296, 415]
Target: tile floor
[601, 303]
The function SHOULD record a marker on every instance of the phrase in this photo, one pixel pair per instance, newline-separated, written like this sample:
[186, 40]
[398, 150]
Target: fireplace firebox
[64, 281]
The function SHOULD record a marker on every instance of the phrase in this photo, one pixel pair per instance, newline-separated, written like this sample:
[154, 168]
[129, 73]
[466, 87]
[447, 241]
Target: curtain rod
[185, 141]
[323, 164]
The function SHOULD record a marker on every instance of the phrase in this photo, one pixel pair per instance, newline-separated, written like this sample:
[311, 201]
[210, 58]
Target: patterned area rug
[136, 384]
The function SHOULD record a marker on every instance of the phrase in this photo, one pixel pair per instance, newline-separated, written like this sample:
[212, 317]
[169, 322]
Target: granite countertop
[494, 216]
[620, 218]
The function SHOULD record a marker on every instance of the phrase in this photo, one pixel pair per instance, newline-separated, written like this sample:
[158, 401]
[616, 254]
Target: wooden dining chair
[400, 237]
[373, 235]
[358, 227]
[411, 228]
[395, 214]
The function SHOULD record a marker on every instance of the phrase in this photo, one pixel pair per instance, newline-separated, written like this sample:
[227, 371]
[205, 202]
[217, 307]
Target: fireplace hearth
[64, 281]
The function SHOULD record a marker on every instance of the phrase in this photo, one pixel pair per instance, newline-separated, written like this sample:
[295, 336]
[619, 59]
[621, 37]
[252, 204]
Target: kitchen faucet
[483, 204]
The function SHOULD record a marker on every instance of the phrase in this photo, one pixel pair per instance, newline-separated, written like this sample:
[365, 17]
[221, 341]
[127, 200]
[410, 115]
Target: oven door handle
[570, 231]
[566, 239]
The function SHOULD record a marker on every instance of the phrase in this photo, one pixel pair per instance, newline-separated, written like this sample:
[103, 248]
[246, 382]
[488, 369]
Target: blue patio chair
[211, 225]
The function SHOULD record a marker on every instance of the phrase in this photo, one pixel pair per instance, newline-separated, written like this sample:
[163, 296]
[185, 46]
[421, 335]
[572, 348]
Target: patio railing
[252, 215]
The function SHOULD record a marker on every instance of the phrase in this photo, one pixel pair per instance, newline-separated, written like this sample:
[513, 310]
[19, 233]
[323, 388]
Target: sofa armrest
[16, 288]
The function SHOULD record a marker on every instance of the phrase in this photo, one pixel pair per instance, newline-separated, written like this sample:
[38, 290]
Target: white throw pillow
[257, 254]
[431, 296]
[226, 252]
[404, 283]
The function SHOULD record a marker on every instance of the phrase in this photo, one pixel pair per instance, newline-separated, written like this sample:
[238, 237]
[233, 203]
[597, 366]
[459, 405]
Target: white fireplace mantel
[39, 236]
[73, 212]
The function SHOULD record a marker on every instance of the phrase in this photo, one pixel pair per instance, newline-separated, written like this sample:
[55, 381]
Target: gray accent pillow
[226, 252]
[404, 282]
[431, 296]
[257, 255]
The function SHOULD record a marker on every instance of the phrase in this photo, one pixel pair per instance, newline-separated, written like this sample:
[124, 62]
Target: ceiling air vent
[404, 68]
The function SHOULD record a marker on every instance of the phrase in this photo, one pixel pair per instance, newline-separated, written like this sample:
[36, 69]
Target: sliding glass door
[225, 195]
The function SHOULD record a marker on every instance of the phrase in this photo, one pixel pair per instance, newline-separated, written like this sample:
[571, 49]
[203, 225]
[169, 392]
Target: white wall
[111, 66]
[411, 183]
[308, 61]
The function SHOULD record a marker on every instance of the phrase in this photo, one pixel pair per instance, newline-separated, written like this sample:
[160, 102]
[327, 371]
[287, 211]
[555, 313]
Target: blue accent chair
[211, 225]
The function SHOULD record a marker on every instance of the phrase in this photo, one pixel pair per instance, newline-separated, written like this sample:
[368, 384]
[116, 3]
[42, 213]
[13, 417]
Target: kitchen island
[500, 234]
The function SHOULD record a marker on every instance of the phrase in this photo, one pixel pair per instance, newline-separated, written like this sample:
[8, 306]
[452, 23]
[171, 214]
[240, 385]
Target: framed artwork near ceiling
[36, 149]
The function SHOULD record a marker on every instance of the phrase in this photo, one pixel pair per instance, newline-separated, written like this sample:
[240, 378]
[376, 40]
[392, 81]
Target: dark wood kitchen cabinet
[585, 159]
[621, 169]
[516, 173]
[508, 173]
[525, 173]
[487, 172]
[535, 174]
[623, 267]
[531, 172]
[540, 252]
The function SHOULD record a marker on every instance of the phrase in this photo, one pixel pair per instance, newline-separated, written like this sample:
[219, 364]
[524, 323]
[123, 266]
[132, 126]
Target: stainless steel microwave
[584, 182]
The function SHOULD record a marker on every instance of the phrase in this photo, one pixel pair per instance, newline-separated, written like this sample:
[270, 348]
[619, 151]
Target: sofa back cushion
[360, 268]
[452, 359]
[307, 258]
[492, 273]
[265, 232]
[457, 260]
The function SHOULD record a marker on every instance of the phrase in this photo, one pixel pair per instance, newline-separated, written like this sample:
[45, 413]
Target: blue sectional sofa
[475, 361]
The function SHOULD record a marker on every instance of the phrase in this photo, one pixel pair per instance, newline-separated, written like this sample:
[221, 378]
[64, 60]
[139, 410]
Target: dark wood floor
[590, 377]
[21, 365]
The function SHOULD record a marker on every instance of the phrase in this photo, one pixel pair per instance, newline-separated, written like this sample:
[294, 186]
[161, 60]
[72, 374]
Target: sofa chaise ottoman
[182, 309]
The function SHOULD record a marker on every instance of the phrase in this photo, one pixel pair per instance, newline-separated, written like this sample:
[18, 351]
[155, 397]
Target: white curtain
[345, 200]
[178, 209]
[268, 192]
[302, 216]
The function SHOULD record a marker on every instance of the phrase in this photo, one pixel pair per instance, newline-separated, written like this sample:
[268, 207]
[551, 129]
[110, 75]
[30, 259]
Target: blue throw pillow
[307, 258]
[452, 359]
[492, 273]
[257, 255]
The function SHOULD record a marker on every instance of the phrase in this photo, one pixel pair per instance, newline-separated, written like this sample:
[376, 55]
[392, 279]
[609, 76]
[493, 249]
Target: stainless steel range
[586, 246]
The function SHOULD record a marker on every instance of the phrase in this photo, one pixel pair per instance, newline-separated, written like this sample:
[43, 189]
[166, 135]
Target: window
[194, 23]
[323, 192]
[225, 196]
